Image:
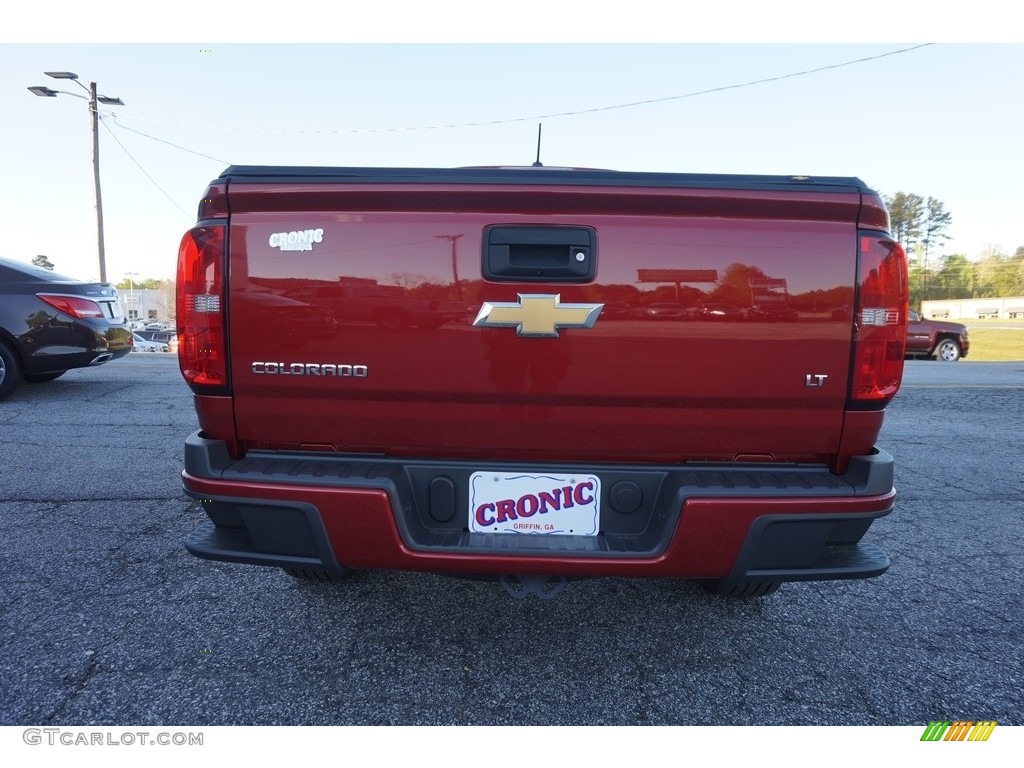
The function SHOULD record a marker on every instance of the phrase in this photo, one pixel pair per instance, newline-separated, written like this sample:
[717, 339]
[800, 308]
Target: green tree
[734, 285]
[920, 224]
[955, 279]
[1017, 269]
[995, 274]
[906, 217]
[170, 298]
[43, 262]
[147, 283]
[936, 222]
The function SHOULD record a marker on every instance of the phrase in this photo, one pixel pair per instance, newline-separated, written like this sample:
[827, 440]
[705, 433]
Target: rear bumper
[80, 346]
[723, 521]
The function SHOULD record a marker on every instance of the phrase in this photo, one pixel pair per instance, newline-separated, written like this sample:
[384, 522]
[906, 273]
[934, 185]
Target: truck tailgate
[720, 320]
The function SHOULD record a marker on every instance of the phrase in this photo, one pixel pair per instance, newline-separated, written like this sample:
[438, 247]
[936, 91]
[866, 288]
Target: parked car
[773, 312]
[614, 311]
[170, 338]
[163, 336]
[144, 345]
[939, 338]
[50, 323]
[667, 311]
[727, 312]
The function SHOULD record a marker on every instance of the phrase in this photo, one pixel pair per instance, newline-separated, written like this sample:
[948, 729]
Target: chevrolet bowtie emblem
[537, 315]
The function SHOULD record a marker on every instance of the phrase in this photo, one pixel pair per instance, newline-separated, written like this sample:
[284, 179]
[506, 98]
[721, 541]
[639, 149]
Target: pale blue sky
[943, 120]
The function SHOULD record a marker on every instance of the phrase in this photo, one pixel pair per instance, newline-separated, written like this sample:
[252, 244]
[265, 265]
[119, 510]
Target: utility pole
[455, 266]
[92, 99]
[96, 179]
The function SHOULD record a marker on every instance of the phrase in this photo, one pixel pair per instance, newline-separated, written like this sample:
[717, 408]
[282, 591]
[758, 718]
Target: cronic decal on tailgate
[298, 240]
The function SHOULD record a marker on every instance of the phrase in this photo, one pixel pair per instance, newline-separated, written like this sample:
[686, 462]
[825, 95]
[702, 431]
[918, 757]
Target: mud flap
[522, 586]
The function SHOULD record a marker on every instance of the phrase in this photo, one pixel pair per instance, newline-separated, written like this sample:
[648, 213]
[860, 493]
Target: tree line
[920, 224]
[146, 283]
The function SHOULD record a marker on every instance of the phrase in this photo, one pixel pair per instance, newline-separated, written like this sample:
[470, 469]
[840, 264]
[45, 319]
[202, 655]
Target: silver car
[143, 345]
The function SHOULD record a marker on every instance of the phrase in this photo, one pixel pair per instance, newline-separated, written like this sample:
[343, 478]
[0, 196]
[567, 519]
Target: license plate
[514, 502]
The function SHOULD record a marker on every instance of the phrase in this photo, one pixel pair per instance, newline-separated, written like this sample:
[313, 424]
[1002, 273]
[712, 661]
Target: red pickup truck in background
[946, 341]
[508, 428]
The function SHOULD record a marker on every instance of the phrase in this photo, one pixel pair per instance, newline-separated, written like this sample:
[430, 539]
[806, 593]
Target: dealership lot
[107, 620]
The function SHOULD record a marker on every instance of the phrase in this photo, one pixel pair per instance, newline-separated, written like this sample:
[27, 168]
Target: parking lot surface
[107, 620]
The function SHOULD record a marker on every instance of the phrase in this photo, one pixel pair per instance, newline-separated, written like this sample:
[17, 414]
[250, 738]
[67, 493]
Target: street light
[131, 293]
[42, 90]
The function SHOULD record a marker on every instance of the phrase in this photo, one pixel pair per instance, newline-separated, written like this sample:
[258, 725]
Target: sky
[943, 120]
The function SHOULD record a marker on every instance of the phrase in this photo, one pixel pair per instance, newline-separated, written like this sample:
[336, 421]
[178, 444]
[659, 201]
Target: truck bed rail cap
[254, 174]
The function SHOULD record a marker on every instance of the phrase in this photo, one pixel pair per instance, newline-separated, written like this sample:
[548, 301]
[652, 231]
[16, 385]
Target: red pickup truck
[946, 341]
[509, 429]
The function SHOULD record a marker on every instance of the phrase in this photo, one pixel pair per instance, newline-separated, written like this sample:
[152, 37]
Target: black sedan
[50, 323]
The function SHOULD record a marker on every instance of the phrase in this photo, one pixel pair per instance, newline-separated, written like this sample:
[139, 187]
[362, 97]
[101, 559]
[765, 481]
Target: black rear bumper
[821, 541]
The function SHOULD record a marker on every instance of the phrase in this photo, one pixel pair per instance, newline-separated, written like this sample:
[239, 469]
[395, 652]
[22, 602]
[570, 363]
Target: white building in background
[147, 305]
[974, 309]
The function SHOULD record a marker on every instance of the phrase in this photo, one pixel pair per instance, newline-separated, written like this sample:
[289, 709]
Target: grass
[995, 340]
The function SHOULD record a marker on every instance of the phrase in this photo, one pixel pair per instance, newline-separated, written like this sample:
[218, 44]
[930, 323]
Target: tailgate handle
[550, 254]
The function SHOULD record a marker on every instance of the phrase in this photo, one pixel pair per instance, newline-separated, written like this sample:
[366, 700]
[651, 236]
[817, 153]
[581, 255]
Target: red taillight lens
[202, 352]
[72, 305]
[880, 322]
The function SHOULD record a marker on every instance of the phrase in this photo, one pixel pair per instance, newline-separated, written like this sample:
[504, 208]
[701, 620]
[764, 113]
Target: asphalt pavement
[105, 618]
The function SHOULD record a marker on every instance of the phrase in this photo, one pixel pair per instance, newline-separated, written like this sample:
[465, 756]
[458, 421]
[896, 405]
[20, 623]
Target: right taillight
[202, 348]
[880, 319]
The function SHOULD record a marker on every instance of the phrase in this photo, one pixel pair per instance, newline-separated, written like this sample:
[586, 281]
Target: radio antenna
[537, 163]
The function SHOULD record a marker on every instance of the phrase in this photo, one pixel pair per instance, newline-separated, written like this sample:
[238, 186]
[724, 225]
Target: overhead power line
[175, 204]
[164, 141]
[530, 118]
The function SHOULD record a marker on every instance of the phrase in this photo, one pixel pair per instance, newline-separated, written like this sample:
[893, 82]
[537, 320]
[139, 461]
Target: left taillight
[72, 305]
[202, 346]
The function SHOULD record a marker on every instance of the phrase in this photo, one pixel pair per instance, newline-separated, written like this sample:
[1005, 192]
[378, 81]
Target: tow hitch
[522, 586]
